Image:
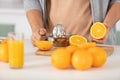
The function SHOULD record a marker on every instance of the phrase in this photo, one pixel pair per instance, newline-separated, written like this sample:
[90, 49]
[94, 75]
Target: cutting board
[108, 49]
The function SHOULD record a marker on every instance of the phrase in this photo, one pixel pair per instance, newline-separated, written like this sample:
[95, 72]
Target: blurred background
[13, 18]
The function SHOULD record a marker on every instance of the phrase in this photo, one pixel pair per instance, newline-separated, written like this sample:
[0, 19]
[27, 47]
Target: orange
[71, 49]
[61, 58]
[44, 45]
[5, 41]
[98, 30]
[87, 45]
[77, 40]
[4, 52]
[81, 60]
[99, 56]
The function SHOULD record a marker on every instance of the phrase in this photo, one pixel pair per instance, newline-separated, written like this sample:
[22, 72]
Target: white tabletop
[40, 68]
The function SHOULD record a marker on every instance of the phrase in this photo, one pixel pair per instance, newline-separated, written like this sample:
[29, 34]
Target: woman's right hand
[39, 34]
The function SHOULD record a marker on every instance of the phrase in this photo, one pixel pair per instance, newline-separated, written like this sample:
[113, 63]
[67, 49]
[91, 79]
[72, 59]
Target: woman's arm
[33, 12]
[34, 16]
[113, 15]
[35, 19]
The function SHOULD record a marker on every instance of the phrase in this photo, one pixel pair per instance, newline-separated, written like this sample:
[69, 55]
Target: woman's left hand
[100, 41]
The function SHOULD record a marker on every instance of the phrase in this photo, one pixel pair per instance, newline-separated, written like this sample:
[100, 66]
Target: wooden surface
[108, 49]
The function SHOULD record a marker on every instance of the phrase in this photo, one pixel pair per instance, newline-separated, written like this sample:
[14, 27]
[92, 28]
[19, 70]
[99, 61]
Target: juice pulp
[16, 53]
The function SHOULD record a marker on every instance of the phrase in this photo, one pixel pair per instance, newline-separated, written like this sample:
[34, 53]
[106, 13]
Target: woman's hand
[39, 34]
[100, 41]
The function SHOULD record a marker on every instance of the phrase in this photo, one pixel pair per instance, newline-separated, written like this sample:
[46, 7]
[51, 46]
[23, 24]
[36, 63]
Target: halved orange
[98, 30]
[44, 45]
[77, 40]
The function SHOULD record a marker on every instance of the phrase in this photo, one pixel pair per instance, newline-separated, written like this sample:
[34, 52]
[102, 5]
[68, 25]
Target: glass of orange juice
[16, 49]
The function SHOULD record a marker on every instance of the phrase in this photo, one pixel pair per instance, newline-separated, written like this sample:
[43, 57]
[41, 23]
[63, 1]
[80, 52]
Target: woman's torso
[74, 15]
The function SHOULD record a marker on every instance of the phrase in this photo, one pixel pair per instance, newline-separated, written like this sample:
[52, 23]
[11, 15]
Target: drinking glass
[16, 49]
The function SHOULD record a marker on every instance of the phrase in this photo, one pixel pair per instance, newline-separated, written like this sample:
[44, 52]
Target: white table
[40, 68]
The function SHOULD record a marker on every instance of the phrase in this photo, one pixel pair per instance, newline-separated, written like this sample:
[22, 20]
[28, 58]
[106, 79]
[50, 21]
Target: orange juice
[16, 52]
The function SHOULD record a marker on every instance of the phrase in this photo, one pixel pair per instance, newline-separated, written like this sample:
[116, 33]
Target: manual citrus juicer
[59, 36]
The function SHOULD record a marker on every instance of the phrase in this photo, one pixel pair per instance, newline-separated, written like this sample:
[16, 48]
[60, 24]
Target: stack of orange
[4, 51]
[80, 57]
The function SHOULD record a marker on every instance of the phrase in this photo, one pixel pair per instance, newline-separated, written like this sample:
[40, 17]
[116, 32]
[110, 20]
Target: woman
[76, 16]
